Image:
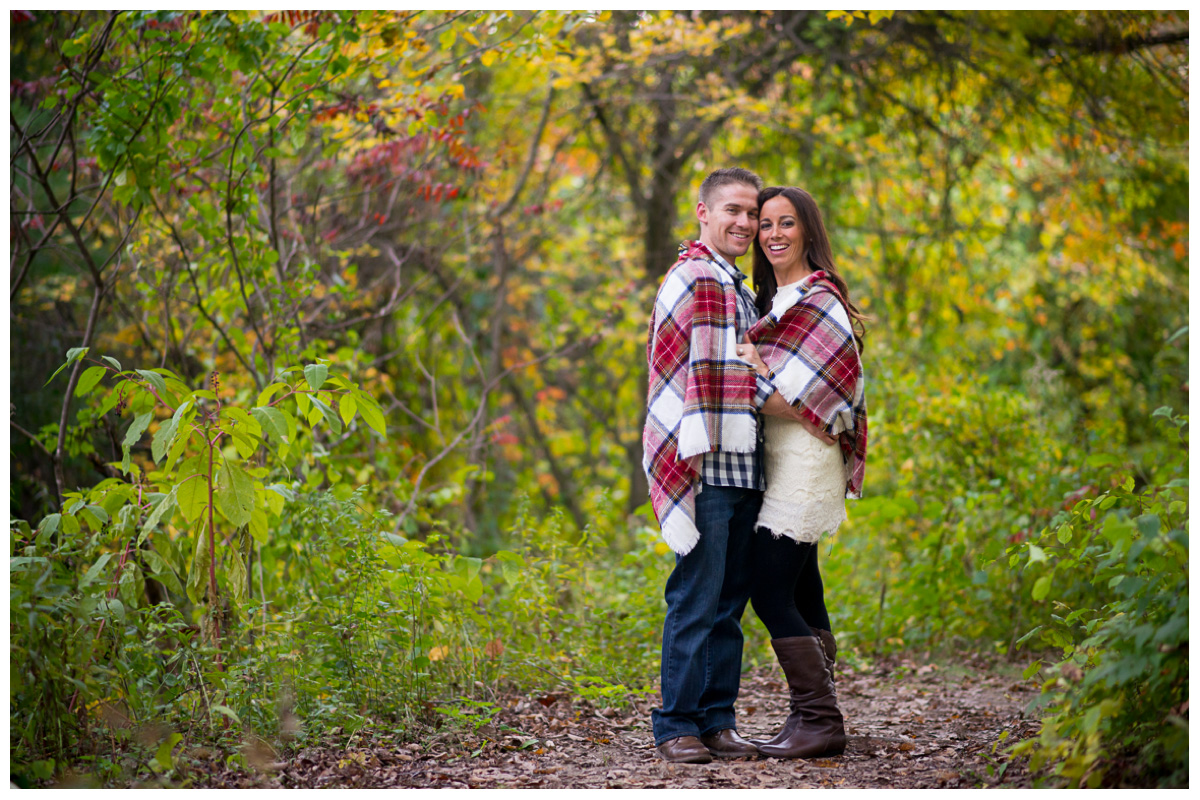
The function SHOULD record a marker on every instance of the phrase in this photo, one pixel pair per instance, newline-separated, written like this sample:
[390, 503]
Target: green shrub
[1110, 580]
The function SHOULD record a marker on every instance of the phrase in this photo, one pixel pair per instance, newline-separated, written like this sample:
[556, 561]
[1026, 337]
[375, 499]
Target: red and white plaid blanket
[701, 395]
[807, 343]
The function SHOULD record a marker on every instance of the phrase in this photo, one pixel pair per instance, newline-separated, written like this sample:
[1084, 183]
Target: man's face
[729, 222]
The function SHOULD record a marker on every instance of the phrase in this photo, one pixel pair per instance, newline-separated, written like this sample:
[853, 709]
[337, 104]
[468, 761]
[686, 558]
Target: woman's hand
[825, 438]
[749, 353]
[776, 406]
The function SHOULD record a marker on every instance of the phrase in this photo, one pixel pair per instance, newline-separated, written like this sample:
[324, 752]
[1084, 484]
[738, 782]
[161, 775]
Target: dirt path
[910, 725]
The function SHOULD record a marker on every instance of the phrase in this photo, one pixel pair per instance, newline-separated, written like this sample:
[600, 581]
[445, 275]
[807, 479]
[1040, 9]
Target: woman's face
[780, 234]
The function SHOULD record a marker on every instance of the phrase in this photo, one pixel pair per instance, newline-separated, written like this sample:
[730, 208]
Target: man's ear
[702, 213]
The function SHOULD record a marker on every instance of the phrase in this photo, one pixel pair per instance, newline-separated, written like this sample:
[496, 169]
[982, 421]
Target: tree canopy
[407, 258]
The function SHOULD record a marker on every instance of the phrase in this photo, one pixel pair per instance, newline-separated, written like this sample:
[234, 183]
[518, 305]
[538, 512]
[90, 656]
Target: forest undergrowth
[347, 438]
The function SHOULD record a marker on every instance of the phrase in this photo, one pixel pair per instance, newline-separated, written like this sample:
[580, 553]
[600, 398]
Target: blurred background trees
[468, 213]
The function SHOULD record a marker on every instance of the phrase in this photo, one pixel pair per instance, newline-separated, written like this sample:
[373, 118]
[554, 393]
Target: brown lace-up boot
[814, 727]
[829, 645]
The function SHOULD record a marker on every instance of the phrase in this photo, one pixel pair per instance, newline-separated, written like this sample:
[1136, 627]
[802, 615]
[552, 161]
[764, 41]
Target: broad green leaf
[157, 564]
[275, 498]
[167, 548]
[177, 449]
[162, 759]
[511, 564]
[94, 571]
[243, 420]
[315, 374]
[272, 421]
[264, 397]
[1041, 588]
[136, 429]
[1148, 525]
[370, 412]
[1027, 637]
[49, 524]
[115, 364]
[346, 406]
[228, 712]
[155, 380]
[164, 437]
[73, 355]
[235, 494]
[245, 446]
[467, 566]
[260, 528]
[88, 380]
[235, 572]
[164, 505]
[198, 571]
[335, 424]
[94, 515]
[115, 607]
[192, 491]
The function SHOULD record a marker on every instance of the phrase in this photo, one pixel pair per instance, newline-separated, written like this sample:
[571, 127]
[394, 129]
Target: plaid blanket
[701, 395]
[807, 343]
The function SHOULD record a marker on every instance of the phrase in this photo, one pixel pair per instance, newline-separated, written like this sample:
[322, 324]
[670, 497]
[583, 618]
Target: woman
[809, 338]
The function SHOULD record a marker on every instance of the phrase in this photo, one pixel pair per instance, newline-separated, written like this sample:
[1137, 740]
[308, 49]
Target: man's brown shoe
[727, 744]
[685, 750]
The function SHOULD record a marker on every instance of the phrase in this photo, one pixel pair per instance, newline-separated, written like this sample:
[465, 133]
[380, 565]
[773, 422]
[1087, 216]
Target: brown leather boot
[815, 726]
[829, 645]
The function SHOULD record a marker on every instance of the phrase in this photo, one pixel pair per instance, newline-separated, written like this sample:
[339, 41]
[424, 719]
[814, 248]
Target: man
[702, 456]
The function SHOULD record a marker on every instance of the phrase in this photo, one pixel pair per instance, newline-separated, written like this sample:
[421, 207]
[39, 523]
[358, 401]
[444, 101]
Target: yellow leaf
[438, 653]
[488, 58]
[660, 548]
[470, 37]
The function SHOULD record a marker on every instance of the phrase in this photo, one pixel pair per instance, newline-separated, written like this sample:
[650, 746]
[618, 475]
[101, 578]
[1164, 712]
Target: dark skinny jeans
[788, 595]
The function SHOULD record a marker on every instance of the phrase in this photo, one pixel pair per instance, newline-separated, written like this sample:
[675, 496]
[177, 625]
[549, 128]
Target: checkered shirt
[703, 398]
[743, 470]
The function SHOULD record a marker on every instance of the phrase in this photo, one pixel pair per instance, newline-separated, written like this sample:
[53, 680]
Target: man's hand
[776, 406]
[749, 353]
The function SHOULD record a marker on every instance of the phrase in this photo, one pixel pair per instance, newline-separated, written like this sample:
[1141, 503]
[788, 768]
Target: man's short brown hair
[724, 177]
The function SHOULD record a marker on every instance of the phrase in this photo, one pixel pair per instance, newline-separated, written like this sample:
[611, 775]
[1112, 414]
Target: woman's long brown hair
[817, 253]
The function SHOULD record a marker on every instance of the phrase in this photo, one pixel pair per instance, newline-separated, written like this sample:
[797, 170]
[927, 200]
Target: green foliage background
[382, 280]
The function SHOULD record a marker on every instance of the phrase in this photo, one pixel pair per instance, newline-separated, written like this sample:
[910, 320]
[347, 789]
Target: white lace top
[806, 480]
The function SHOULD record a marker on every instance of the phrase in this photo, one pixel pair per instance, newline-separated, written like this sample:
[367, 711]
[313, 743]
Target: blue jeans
[702, 634]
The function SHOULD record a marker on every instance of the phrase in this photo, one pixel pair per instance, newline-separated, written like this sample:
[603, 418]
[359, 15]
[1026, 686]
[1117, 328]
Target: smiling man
[702, 458]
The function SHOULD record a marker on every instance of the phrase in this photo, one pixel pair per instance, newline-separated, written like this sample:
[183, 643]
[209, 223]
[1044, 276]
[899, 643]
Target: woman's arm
[776, 406]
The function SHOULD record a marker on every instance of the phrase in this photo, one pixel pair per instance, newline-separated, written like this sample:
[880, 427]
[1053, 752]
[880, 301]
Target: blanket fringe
[680, 533]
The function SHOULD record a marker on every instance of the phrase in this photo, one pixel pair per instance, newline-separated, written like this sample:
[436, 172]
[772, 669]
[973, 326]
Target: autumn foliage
[418, 249]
